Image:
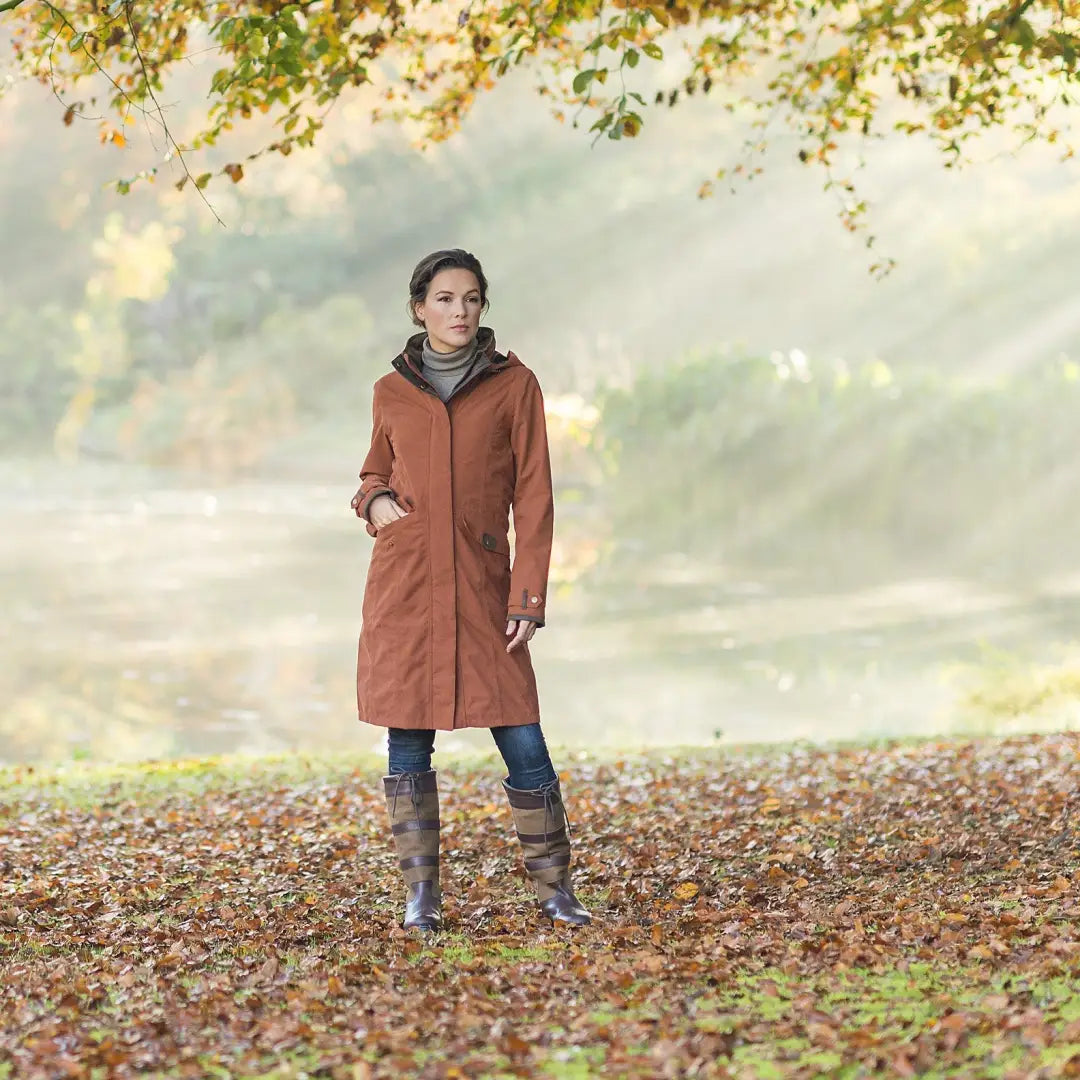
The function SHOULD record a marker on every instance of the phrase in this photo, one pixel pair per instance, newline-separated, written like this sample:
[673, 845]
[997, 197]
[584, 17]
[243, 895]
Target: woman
[458, 437]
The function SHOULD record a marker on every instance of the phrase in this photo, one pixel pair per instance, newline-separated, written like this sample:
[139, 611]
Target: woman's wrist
[378, 493]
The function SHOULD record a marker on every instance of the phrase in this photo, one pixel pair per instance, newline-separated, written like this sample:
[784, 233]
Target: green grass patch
[89, 784]
[576, 1063]
[896, 1005]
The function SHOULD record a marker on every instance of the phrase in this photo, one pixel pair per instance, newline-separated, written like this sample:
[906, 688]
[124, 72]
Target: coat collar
[410, 364]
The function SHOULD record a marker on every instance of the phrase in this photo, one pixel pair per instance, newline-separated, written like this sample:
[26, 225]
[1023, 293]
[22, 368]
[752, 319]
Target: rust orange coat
[440, 585]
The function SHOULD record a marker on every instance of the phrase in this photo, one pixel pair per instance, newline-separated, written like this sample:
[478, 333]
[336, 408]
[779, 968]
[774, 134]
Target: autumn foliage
[802, 912]
[825, 68]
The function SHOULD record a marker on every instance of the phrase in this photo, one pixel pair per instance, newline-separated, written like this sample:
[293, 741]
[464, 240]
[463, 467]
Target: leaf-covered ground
[905, 910]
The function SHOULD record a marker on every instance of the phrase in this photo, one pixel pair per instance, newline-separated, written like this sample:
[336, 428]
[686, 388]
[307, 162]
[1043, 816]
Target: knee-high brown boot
[412, 800]
[543, 829]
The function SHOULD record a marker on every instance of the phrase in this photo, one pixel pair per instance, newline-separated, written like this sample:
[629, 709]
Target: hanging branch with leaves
[826, 69]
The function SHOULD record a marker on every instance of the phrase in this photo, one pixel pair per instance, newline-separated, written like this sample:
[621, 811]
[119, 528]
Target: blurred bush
[35, 382]
[779, 460]
[225, 412]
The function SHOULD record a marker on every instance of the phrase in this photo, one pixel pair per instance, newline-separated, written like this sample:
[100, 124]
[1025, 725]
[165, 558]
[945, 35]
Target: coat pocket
[397, 578]
[399, 526]
[492, 540]
[485, 566]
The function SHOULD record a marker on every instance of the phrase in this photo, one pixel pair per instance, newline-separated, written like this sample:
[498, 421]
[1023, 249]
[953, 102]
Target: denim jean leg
[526, 756]
[410, 751]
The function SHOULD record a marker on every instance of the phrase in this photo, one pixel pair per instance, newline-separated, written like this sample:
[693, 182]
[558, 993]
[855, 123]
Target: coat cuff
[526, 618]
[527, 605]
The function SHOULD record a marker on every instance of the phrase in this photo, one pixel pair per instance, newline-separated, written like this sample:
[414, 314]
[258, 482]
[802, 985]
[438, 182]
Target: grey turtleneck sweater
[446, 371]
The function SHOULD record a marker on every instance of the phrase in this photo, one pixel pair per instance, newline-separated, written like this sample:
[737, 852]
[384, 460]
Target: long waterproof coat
[440, 586]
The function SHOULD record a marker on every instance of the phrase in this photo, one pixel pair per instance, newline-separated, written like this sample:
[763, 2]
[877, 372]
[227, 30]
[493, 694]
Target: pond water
[150, 616]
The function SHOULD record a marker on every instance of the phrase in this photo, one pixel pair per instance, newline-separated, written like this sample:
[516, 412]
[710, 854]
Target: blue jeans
[522, 747]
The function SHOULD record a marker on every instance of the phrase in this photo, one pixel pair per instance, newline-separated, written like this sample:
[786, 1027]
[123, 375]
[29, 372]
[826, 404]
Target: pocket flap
[489, 541]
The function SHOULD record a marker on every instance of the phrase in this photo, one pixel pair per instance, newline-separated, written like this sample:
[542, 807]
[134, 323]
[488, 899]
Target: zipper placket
[406, 370]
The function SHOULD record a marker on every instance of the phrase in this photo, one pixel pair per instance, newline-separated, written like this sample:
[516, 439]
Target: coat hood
[410, 360]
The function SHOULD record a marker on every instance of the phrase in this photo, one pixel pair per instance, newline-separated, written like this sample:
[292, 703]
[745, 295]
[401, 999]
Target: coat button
[535, 599]
[488, 541]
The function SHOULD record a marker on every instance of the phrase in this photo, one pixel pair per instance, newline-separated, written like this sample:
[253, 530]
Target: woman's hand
[382, 511]
[519, 631]
[385, 509]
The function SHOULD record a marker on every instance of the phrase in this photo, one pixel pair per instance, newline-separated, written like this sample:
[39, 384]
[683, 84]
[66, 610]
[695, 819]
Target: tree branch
[1016, 14]
[161, 114]
[10, 5]
[132, 103]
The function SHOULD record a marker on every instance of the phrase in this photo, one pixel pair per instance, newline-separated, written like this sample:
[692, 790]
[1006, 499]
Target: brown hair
[430, 265]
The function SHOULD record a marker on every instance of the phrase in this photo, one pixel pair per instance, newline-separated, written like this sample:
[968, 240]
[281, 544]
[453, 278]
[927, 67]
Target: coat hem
[456, 727]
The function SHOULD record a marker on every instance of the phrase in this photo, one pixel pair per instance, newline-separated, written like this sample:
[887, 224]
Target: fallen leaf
[267, 970]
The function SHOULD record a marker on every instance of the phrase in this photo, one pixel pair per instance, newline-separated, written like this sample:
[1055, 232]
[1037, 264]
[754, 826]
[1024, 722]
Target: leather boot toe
[423, 908]
[565, 907]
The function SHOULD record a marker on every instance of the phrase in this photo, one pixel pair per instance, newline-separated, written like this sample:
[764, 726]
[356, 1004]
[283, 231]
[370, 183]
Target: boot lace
[553, 804]
[416, 796]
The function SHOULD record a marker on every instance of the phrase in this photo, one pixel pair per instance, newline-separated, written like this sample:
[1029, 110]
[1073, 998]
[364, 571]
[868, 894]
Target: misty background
[793, 501]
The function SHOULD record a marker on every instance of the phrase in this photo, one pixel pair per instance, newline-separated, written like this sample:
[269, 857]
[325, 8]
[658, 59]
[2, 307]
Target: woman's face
[451, 310]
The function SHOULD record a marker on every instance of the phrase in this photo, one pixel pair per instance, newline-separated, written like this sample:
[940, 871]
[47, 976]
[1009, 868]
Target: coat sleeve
[375, 472]
[534, 510]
